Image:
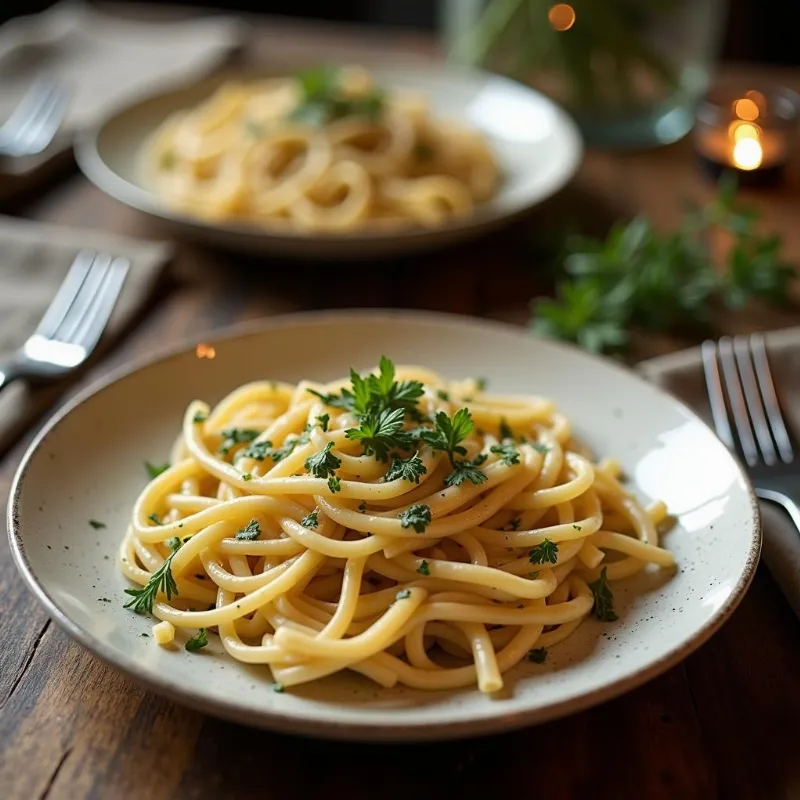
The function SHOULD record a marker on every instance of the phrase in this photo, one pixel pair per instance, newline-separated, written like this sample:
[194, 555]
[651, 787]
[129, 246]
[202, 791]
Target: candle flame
[747, 154]
[205, 351]
[561, 16]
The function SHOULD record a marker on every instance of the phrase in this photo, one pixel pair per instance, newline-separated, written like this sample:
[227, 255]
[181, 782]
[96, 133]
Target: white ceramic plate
[537, 144]
[87, 464]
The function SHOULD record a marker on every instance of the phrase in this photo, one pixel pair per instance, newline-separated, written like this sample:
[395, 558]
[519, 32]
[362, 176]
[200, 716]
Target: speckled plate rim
[372, 731]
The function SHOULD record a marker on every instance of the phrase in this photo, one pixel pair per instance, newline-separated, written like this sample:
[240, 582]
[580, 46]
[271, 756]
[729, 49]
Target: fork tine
[66, 294]
[45, 125]
[752, 396]
[776, 423]
[736, 399]
[94, 322]
[25, 132]
[83, 299]
[716, 398]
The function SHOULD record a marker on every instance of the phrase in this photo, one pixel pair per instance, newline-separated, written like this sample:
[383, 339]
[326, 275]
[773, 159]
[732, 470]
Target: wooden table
[724, 723]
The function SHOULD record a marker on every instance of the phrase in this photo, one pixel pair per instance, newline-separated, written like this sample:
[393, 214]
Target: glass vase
[631, 72]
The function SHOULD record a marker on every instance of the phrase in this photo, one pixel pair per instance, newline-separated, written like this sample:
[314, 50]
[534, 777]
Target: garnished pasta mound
[394, 524]
[323, 151]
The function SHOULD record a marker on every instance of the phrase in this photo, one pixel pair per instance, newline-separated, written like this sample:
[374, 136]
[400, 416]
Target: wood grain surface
[725, 723]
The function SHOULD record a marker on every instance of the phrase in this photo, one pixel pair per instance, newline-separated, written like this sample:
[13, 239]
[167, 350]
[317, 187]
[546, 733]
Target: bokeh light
[561, 16]
[746, 109]
[205, 351]
[747, 154]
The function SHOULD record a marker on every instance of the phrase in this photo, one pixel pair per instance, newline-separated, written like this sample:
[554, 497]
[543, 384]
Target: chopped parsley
[160, 581]
[577, 527]
[199, 417]
[417, 517]
[409, 469]
[334, 484]
[155, 519]
[197, 642]
[381, 432]
[403, 594]
[322, 99]
[322, 421]
[362, 507]
[424, 568]
[258, 451]
[310, 520]
[481, 384]
[174, 542]
[96, 524]
[246, 476]
[278, 687]
[508, 453]
[538, 655]
[323, 464]
[250, 532]
[464, 470]
[447, 436]
[544, 553]
[154, 470]
[505, 429]
[233, 436]
[603, 598]
[541, 448]
[513, 524]
[442, 395]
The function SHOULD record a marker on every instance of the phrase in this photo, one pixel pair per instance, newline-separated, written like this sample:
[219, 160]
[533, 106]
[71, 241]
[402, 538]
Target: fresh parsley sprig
[447, 436]
[323, 465]
[250, 532]
[233, 436]
[603, 598]
[417, 517]
[322, 99]
[160, 581]
[381, 432]
[640, 277]
[508, 453]
[410, 469]
[544, 553]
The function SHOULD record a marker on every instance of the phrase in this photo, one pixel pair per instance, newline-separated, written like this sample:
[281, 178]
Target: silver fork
[35, 121]
[74, 321]
[759, 434]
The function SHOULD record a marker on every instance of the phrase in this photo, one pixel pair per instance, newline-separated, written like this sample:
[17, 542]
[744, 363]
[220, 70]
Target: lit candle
[748, 132]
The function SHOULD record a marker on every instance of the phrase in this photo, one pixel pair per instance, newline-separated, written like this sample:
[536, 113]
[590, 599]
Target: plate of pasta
[343, 161]
[431, 530]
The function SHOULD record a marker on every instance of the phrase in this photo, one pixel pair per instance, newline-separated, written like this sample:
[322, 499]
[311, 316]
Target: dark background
[757, 30]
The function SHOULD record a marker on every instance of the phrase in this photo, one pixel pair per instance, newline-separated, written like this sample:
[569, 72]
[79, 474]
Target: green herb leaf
[323, 101]
[197, 642]
[424, 568]
[544, 553]
[381, 432]
[603, 598]
[448, 433]
[513, 524]
[247, 476]
[155, 519]
[323, 464]
[417, 517]
[233, 436]
[505, 429]
[199, 417]
[322, 421]
[508, 453]
[250, 532]
[334, 484]
[467, 470]
[96, 524]
[541, 448]
[160, 581]
[310, 520]
[154, 470]
[409, 469]
[443, 395]
[538, 655]
[257, 451]
[403, 594]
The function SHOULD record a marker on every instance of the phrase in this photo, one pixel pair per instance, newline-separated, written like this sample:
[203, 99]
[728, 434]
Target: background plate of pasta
[432, 527]
[336, 160]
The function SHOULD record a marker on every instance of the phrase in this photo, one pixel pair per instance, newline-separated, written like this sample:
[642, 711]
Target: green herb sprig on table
[641, 278]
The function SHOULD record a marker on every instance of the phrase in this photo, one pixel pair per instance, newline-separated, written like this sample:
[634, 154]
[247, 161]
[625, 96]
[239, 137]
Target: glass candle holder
[748, 131]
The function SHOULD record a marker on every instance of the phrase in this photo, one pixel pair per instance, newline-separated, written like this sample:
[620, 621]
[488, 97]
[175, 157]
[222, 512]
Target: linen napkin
[34, 258]
[101, 60]
[682, 375]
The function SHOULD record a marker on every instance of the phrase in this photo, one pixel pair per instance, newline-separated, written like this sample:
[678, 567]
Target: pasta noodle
[404, 527]
[323, 151]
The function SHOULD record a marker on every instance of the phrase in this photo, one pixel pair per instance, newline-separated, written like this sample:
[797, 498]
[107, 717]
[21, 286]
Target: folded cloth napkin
[101, 60]
[34, 258]
[682, 375]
